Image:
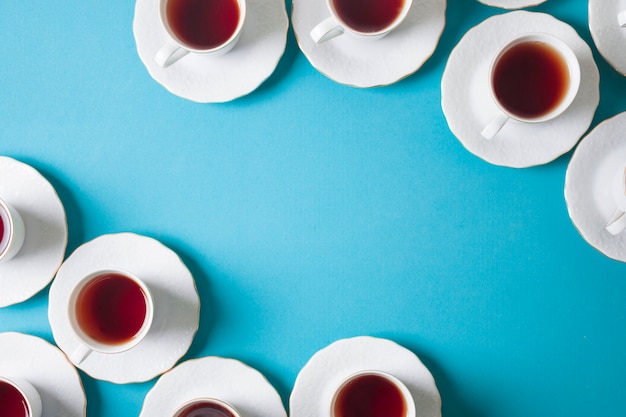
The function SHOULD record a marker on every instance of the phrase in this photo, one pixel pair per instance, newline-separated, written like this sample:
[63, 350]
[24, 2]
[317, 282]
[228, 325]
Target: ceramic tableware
[36, 201]
[369, 20]
[175, 298]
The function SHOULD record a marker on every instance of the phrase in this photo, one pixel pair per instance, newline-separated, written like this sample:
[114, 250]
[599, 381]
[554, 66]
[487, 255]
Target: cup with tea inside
[617, 222]
[532, 79]
[200, 27]
[372, 393]
[206, 407]
[365, 19]
[18, 398]
[12, 231]
[110, 311]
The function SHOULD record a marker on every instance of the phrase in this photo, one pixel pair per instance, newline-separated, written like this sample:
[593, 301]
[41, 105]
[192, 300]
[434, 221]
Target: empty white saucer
[47, 369]
[45, 241]
[468, 107]
[229, 380]
[607, 34]
[313, 389]
[214, 79]
[177, 305]
[363, 63]
[588, 185]
[511, 4]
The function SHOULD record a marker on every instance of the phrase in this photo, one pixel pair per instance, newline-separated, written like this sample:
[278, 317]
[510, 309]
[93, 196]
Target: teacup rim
[95, 345]
[406, 7]
[231, 408]
[573, 64]
[406, 393]
[18, 384]
[222, 47]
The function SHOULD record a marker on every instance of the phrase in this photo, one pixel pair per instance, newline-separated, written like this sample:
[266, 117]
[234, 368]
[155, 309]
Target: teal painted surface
[309, 211]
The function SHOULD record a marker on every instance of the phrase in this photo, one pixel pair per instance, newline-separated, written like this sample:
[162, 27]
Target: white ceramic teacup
[110, 311]
[178, 16]
[335, 25]
[621, 18]
[617, 222]
[564, 55]
[12, 231]
[19, 394]
[357, 391]
[211, 406]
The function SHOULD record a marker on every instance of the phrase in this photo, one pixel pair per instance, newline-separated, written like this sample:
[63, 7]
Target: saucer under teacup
[511, 4]
[371, 63]
[45, 225]
[588, 180]
[176, 305]
[228, 380]
[216, 79]
[316, 382]
[607, 34]
[468, 106]
[44, 366]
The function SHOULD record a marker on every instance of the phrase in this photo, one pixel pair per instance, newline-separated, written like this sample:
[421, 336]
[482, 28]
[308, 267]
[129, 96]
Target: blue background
[309, 211]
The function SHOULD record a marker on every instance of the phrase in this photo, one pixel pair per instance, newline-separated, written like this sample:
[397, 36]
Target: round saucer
[511, 4]
[46, 368]
[229, 380]
[588, 185]
[46, 232]
[363, 63]
[177, 305]
[215, 79]
[312, 391]
[607, 34]
[468, 106]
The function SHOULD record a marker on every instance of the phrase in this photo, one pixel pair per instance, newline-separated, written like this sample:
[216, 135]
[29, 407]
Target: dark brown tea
[205, 409]
[203, 24]
[368, 16]
[12, 402]
[531, 79]
[111, 309]
[370, 395]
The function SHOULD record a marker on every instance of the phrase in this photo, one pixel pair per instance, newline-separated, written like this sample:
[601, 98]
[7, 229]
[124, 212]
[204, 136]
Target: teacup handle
[80, 354]
[494, 126]
[169, 54]
[326, 30]
[621, 18]
[617, 222]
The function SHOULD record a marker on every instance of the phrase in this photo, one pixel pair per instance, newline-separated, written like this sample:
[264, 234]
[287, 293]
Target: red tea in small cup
[206, 408]
[18, 398]
[203, 24]
[111, 308]
[531, 79]
[372, 394]
[12, 401]
[368, 15]
[12, 231]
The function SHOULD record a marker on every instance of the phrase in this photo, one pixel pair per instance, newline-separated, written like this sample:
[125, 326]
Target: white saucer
[46, 232]
[468, 106]
[47, 369]
[229, 380]
[312, 391]
[215, 79]
[607, 34]
[588, 182]
[177, 305]
[363, 63]
[511, 4]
